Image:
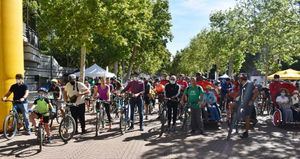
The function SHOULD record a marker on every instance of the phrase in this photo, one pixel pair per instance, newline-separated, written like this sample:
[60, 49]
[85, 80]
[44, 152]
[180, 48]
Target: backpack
[74, 97]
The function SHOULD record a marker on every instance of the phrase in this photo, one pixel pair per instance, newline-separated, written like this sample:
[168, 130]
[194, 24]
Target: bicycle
[67, 126]
[124, 114]
[12, 122]
[163, 116]
[233, 120]
[99, 115]
[40, 134]
[56, 113]
[186, 118]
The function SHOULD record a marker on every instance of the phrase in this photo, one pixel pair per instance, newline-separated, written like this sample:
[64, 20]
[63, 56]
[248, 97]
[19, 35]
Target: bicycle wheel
[40, 136]
[67, 128]
[123, 123]
[10, 127]
[277, 118]
[59, 116]
[163, 120]
[184, 126]
[97, 123]
[232, 123]
[101, 117]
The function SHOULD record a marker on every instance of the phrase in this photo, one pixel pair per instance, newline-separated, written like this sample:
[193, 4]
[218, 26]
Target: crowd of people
[207, 99]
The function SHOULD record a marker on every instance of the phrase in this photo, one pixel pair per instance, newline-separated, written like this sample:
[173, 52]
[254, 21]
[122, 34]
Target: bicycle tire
[233, 122]
[64, 127]
[123, 124]
[163, 120]
[97, 122]
[59, 116]
[184, 122]
[10, 134]
[277, 118]
[101, 117]
[40, 137]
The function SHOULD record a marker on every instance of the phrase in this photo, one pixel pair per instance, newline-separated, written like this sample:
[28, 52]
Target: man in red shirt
[164, 79]
[275, 87]
[203, 83]
[183, 83]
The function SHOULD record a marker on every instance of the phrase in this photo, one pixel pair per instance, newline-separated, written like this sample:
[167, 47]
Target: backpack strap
[76, 85]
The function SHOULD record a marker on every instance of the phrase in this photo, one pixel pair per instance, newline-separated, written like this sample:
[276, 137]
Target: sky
[189, 17]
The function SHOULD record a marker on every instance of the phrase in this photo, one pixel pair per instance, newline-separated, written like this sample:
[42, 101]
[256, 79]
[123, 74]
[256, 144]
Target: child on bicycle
[41, 108]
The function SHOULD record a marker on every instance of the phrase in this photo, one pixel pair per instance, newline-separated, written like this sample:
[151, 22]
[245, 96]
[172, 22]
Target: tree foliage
[269, 29]
[132, 33]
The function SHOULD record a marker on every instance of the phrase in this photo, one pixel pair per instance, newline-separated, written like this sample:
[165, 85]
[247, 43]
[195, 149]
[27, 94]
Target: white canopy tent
[225, 76]
[96, 71]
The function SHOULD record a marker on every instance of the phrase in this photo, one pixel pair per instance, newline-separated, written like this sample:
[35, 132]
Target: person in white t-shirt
[75, 93]
[284, 104]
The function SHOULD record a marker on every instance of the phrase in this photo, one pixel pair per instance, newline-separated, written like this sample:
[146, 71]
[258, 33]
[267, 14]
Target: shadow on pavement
[19, 148]
[265, 141]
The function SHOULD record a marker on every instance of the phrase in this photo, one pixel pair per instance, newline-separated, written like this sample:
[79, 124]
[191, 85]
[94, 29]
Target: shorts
[45, 118]
[248, 110]
[147, 99]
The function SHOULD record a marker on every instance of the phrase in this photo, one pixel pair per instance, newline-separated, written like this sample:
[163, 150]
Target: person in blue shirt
[211, 103]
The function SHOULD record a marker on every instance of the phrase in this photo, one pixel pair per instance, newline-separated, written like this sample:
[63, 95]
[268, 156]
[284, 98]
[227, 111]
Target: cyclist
[88, 96]
[137, 89]
[102, 92]
[57, 94]
[183, 85]
[248, 94]
[42, 107]
[147, 96]
[194, 96]
[75, 93]
[20, 92]
[172, 92]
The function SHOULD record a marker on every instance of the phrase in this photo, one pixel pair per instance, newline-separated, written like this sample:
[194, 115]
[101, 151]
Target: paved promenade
[265, 141]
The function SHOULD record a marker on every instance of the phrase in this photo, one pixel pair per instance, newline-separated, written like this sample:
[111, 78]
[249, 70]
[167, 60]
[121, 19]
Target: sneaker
[203, 133]
[83, 132]
[146, 118]
[28, 133]
[172, 128]
[49, 140]
[245, 135]
[130, 128]
[255, 122]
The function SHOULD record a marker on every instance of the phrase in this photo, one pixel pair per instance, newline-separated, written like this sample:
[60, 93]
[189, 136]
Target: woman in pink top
[102, 92]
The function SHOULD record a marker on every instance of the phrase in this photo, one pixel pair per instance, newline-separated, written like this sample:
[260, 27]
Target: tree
[273, 28]
[125, 32]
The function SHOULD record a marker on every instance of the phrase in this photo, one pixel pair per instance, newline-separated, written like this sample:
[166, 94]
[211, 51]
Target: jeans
[172, 109]
[136, 101]
[23, 108]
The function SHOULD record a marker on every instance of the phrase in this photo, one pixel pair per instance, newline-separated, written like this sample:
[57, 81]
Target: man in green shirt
[194, 96]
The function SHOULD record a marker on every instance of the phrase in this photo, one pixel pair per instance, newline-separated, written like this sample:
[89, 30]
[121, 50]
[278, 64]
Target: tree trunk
[82, 63]
[267, 70]
[216, 73]
[116, 68]
[230, 67]
[131, 62]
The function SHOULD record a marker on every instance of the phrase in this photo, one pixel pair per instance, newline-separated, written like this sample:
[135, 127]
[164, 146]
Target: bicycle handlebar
[8, 100]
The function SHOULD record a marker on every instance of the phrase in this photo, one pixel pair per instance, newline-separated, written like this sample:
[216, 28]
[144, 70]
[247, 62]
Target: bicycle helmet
[42, 89]
[54, 81]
